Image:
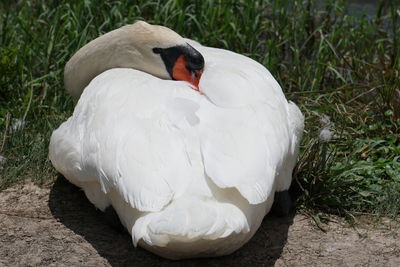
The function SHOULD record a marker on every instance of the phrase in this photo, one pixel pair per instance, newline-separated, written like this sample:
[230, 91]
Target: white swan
[189, 174]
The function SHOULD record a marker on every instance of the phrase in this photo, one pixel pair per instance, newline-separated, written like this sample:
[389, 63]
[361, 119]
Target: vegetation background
[342, 70]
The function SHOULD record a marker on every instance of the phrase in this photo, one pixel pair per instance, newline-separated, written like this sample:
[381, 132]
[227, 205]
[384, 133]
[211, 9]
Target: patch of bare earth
[57, 226]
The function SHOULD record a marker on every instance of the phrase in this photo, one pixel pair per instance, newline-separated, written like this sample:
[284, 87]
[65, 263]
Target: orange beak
[181, 73]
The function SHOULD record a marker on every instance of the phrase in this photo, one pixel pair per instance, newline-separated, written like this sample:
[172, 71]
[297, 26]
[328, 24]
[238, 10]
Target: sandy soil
[57, 226]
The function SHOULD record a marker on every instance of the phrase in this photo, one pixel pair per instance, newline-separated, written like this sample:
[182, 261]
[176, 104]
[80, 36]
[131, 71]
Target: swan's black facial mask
[193, 60]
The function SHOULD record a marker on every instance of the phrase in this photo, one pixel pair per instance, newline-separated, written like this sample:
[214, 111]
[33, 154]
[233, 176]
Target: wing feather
[128, 125]
[244, 129]
[150, 139]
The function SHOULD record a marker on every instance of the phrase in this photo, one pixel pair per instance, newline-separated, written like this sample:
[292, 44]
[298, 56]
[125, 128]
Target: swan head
[154, 49]
[167, 54]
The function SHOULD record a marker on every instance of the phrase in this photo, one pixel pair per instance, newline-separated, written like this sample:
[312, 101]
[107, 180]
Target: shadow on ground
[69, 205]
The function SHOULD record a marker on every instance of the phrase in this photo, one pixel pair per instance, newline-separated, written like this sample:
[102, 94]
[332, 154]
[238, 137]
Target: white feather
[189, 174]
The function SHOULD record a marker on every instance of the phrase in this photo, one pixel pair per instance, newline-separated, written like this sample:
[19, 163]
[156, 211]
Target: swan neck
[112, 50]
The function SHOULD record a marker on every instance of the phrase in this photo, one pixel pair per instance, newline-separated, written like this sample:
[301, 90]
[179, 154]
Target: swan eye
[157, 50]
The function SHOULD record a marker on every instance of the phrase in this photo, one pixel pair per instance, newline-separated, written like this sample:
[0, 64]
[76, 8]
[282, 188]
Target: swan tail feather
[188, 220]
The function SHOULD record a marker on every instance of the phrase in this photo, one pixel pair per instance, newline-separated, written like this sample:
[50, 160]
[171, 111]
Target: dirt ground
[57, 226]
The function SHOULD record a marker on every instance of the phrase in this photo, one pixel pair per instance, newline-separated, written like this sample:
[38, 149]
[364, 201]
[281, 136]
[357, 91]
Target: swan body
[189, 174]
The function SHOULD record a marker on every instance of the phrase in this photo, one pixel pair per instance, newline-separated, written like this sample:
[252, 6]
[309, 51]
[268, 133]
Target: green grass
[330, 63]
